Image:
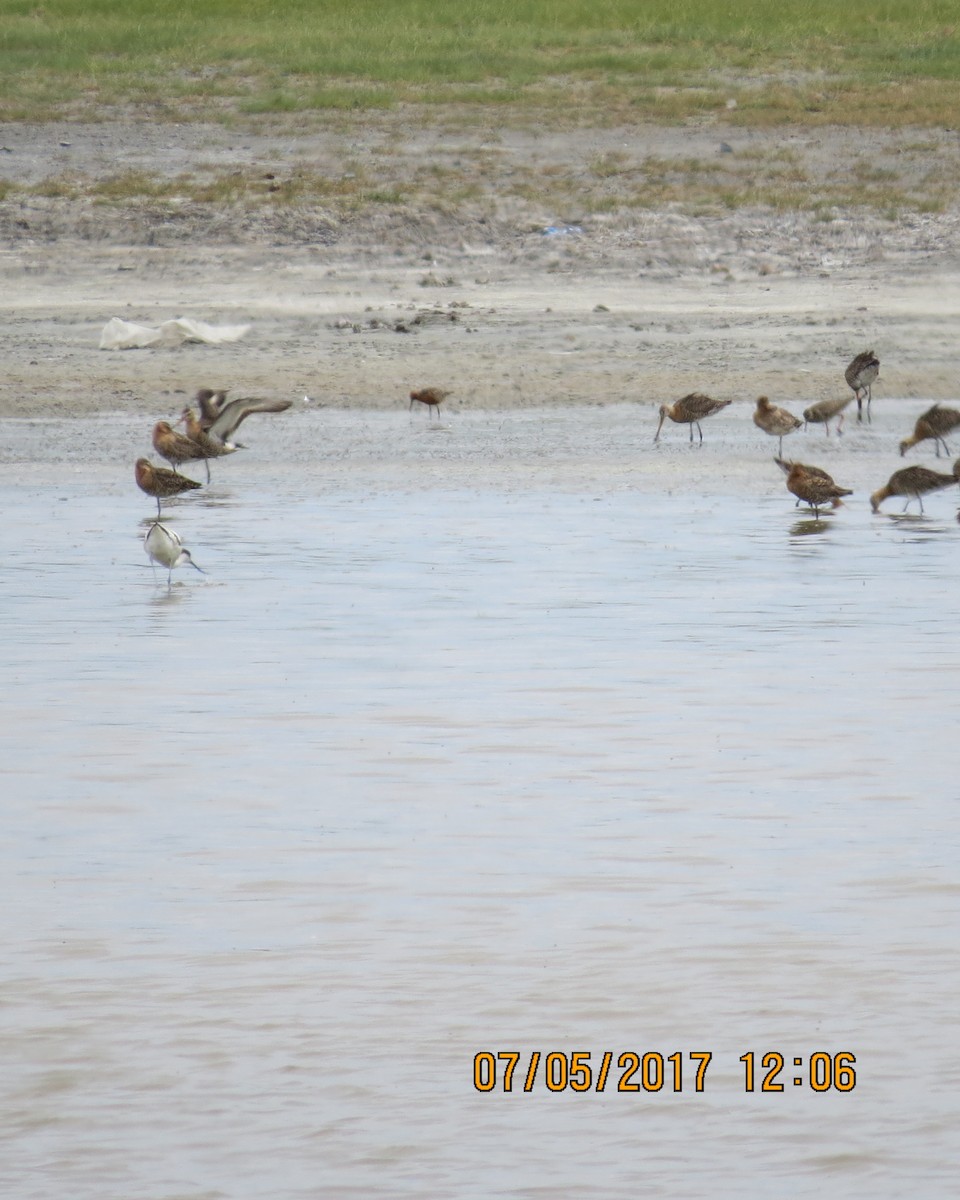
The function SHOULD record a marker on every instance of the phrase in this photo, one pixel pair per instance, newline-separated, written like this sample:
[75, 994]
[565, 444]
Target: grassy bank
[867, 62]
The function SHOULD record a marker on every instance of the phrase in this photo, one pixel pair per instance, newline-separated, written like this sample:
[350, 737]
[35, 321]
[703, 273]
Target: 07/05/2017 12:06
[655, 1071]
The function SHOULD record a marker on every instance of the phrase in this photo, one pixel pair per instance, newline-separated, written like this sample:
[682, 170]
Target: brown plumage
[935, 423]
[430, 396]
[690, 410]
[823, 412]
[775, 421]
[860, 374]
[812, 485]
[211, 447]
[159, 482]
[913, 482]
[175, 447]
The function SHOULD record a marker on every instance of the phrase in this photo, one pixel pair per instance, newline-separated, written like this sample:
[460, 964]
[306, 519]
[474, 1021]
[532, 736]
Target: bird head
[185, 557]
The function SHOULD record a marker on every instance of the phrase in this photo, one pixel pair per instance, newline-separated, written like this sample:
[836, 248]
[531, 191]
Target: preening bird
[860, 375]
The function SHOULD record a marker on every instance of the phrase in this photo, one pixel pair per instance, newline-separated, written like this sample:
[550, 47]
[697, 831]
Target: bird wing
[236, 411]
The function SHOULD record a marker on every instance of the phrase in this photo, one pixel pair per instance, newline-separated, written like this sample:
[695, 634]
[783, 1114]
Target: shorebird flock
[813, 485]
[207, 436]
[208, 430]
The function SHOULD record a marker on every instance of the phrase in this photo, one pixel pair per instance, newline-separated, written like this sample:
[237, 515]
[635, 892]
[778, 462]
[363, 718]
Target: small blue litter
[561, 230]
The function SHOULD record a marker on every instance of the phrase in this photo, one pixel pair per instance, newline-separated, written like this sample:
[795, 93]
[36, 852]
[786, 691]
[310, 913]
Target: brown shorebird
[161, 483]
[430, 396]
[227, 417]
[165, 546]
[175, 447]
[812, 484]
[690, 410]
[823, 412]
[775, 421]
[860, 375]
[935, 423]
[913, 482]
[211, 447]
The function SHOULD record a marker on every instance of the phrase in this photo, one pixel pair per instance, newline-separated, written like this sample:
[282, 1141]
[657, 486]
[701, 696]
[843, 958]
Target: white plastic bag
[127, 335]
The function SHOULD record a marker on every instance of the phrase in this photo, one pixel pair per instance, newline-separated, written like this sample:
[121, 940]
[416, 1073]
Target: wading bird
[690, 410]
[430, 396]
[935, 424]
[165, 546]
[914, 483]
[823, 412]
[812, 485]
[775, 421]
[161, 483]
[175, 447]
[860, 375]
[211, 447]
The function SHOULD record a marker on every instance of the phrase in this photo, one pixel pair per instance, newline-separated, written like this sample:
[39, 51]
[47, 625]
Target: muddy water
[528, 737]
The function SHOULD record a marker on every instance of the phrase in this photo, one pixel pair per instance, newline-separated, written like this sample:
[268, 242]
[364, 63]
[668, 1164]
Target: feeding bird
[935, 423]
[812, 485]
[823, 412]
[860, 374]
[430, 396]
[914, 483]
[690, 410]
[165, 546]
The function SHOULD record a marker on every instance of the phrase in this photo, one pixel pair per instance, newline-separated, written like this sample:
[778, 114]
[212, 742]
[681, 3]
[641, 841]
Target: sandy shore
[355, 308]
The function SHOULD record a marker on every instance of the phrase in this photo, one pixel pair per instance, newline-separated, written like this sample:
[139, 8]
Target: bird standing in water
[690, 410]
[211, 447]
[175, 447]
[165, 546]
[823, 412]
[935, 423]
[775, 421]
[860, 374]
[913, 482]
[812, 485]
[159, 482]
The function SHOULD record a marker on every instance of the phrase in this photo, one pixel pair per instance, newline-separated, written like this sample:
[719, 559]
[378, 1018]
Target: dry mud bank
[492, 290]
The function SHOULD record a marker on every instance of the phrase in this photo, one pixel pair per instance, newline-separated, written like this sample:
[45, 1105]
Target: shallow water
[434, 762]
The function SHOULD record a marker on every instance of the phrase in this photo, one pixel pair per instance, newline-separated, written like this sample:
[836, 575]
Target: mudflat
[508, 295]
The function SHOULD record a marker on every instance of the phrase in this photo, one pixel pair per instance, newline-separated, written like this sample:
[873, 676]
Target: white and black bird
[165, 546]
